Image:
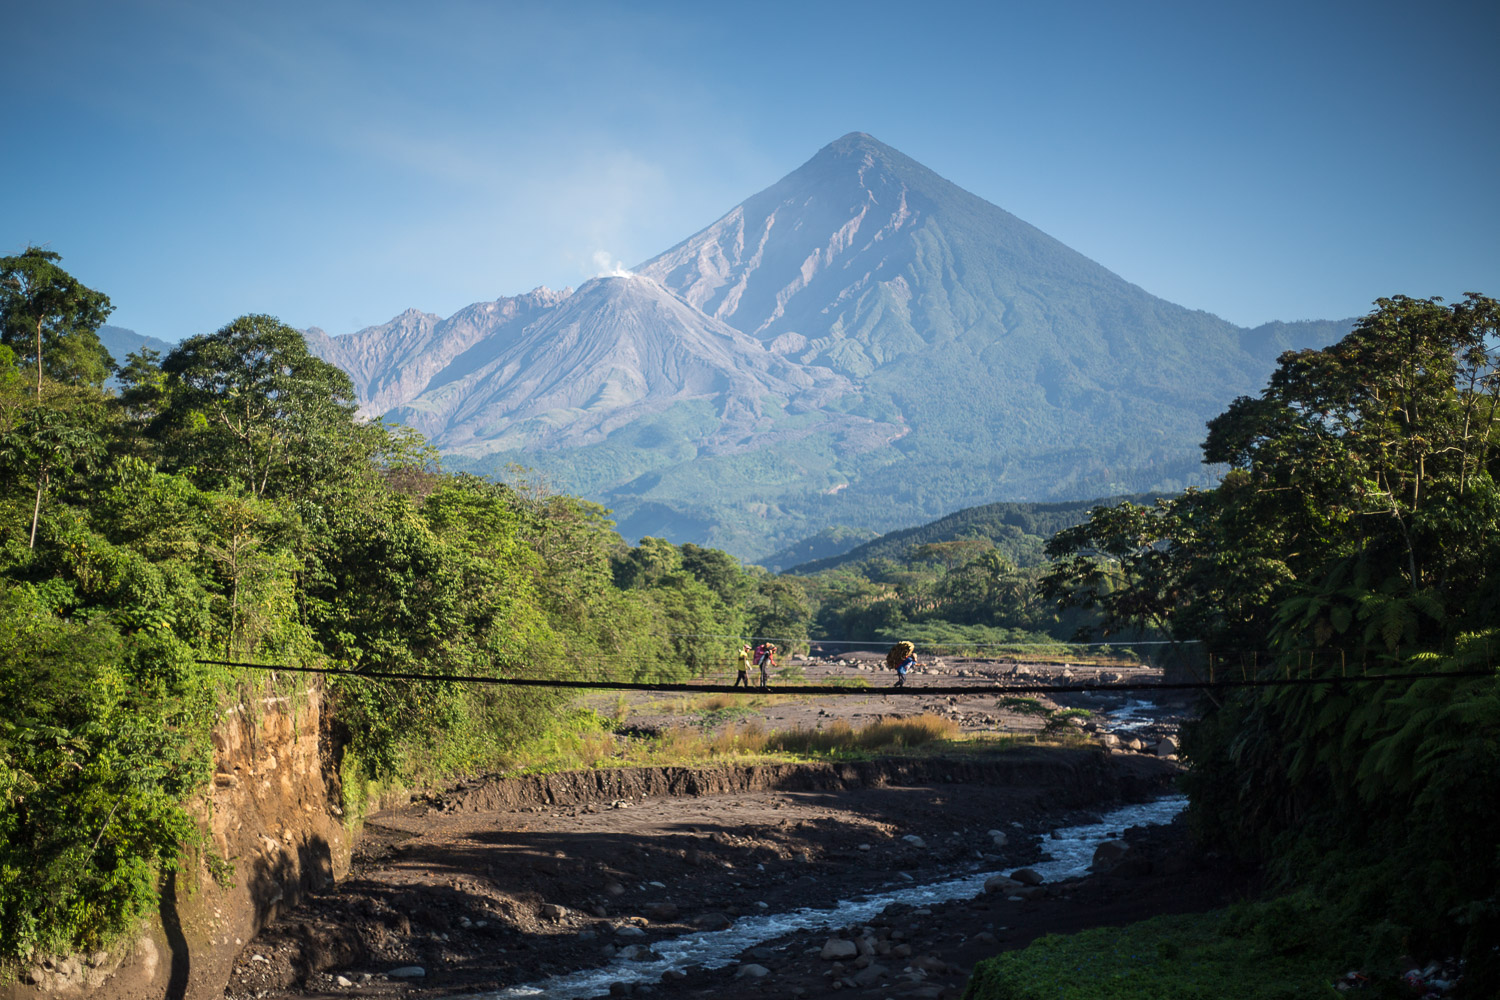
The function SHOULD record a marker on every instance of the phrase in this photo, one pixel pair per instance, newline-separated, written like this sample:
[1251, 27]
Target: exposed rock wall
[270, 812]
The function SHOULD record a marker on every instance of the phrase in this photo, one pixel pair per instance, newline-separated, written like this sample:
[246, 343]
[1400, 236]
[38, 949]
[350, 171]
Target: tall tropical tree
[51, 321]
[251, 405]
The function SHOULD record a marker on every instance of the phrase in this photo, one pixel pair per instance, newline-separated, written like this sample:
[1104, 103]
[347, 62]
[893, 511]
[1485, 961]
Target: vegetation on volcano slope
[1018, 531]
[1358, 532]
[224, 504]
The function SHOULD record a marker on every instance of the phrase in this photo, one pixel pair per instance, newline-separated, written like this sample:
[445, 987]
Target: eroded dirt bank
[508, 881]
[268, 814]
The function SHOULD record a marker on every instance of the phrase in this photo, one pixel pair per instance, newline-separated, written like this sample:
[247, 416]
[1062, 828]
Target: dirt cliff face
[270, 813]
[1070, 778]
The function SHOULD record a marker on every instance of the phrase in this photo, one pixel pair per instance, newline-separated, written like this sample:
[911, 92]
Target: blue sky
[336, 163]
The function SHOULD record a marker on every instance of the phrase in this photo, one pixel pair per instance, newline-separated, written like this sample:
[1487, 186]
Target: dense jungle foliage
[971, 582]
[1357, 533]
[962, 595]
[222, 503]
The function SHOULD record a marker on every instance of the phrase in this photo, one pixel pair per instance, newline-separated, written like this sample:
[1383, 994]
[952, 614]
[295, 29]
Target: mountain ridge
[862, 343]
[616, 350]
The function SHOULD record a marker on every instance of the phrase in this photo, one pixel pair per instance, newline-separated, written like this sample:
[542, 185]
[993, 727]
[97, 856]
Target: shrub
[1207, 956]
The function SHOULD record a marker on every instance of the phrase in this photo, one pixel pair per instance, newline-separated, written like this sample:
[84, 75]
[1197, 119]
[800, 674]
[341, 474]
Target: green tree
[50, 320]
[1362, 508]
[94, 769]
[143, 388]
[647, 564]
[987, 589]
[250, 404]
[779, 609]
[717, 570]
[1375, 461]
[55, 437]
[954, 554]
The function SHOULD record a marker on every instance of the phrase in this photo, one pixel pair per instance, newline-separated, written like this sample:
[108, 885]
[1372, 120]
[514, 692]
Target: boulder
[915, 841]
[1000, 883]
[872, 974]
[752, 971]
[838, 948]
[1166, 747]
[1108, 854]
[712, 921]
[1027, 876]
[551, 911]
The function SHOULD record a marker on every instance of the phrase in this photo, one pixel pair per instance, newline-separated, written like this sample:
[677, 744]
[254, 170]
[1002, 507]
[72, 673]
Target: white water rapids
[1070, 850]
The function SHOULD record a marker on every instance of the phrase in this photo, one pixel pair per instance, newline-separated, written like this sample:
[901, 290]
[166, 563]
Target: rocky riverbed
[514, 886]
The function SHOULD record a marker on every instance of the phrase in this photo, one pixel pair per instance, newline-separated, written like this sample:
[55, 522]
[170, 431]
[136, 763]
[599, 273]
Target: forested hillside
[225, 507]
[1020, 532]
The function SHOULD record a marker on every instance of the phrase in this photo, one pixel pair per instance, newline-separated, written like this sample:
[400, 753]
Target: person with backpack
[902, 658]
[766, 661]
[743, 666]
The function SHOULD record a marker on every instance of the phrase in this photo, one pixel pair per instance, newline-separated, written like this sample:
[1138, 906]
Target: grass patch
[857, 683]
[729, 727]
[729, 714]
[584, 741]
[1256, 951]
[883, 734]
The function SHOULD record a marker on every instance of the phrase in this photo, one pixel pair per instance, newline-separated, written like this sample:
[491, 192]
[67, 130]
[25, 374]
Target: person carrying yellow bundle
[901, 658]
[743, 677]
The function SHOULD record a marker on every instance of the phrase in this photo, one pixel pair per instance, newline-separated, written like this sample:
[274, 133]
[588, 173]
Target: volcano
[862, 344]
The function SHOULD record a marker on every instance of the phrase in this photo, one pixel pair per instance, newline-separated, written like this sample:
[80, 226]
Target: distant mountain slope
[1018, 529]
[862, 345]
[619, 350]
[870, 257]
[121, 343]
[393, 363]
[1269, 340]
[829, 543]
